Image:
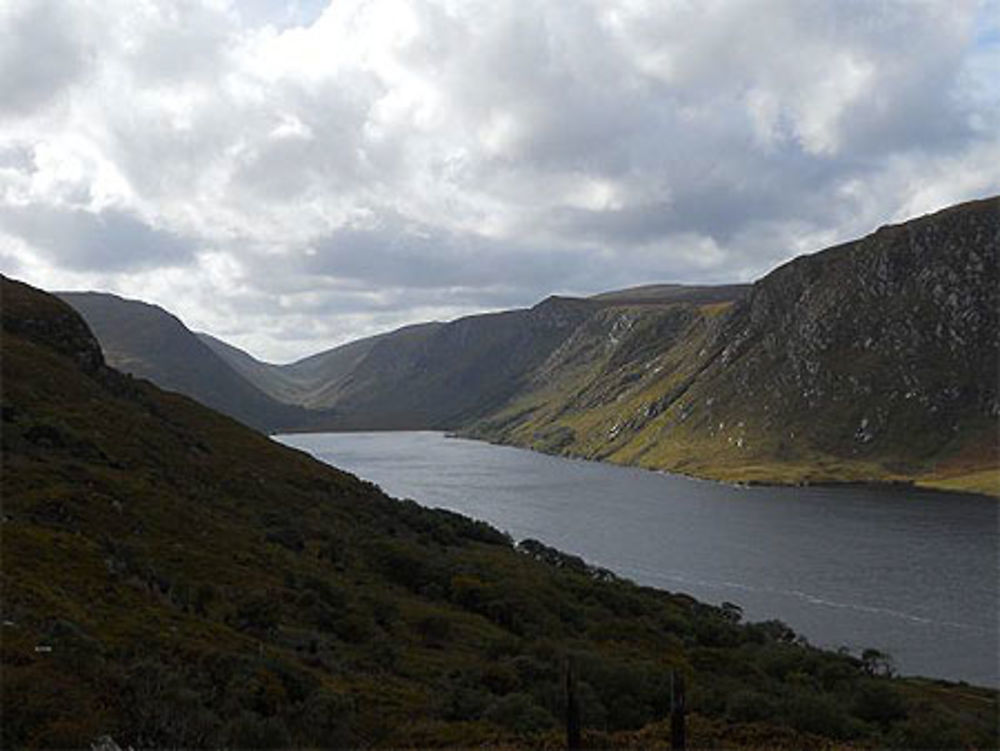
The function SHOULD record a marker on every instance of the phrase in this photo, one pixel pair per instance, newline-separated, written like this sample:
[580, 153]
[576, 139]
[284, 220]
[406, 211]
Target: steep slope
[325, 373]
[314, 380]
[874, 360]
[267, 377]
[148, 342]
[442, 376]
[173, 579]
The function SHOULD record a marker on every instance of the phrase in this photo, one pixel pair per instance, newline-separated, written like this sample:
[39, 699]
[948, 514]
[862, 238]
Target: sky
[289, 176]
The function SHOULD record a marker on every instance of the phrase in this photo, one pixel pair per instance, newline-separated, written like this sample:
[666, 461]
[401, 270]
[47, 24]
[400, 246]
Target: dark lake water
[910, 572]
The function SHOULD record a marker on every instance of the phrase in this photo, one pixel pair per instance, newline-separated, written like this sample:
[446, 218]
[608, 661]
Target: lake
[910, 572]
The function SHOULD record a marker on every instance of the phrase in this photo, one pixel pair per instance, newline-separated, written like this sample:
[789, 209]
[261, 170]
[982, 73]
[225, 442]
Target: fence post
[573, 742]
[678, 740]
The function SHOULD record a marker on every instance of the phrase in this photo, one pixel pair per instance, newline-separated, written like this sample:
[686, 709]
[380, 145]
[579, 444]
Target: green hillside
[171, 578]
[877, 360]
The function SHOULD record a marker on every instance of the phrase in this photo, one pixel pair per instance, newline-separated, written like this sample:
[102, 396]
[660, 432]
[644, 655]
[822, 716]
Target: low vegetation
[173, 579]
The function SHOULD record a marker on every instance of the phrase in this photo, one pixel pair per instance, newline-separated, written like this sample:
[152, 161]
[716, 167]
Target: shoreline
[902, 483]
[892, 484]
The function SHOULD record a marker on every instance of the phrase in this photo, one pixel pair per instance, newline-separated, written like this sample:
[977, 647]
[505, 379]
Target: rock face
[885, 346]
[876, 359]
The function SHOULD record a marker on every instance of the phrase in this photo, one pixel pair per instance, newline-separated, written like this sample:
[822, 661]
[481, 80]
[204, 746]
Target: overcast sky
[291, 175]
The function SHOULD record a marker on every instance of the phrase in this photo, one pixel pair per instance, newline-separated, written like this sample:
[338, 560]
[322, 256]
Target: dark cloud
[106, 241]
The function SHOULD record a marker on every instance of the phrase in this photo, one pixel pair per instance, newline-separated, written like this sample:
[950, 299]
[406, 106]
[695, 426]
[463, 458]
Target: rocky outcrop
[48, 322]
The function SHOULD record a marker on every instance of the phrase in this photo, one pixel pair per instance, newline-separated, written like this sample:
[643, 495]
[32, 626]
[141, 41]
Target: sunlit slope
[873, 360]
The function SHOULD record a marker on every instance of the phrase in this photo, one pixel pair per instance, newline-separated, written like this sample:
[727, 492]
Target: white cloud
[244, 162]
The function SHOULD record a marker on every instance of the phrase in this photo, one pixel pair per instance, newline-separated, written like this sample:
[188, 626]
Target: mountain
[265, 376]
[174, 579]
[314, 381]
[148, 342]
[874, 360]
[427, 376]
[443, 375]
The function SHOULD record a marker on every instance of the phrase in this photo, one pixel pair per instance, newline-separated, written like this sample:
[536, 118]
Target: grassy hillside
[173, 579]
[877, 360]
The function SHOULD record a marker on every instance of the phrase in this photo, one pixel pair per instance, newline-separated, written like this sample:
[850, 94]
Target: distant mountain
[313, 381]
[269, 378]
[148, 342]
[175, 580]
[436, 376]
[874, 360]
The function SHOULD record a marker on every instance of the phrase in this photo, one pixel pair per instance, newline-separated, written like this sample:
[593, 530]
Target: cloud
[39, 56]
[109, 241]
[292, 174]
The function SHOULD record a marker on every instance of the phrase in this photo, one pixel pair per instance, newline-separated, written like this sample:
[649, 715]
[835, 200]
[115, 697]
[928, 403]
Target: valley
[874, 361]
[173, 578]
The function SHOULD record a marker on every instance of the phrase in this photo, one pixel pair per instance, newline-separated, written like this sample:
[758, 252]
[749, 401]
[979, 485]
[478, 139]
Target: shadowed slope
[148, 342]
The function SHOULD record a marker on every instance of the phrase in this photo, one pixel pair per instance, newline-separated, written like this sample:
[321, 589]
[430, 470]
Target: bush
[878, 702]
[749, 706]
[326, 718]
[520, 713]
[817, 713]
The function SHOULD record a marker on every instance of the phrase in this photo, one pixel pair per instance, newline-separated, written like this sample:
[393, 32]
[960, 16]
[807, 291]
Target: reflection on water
[913, 573]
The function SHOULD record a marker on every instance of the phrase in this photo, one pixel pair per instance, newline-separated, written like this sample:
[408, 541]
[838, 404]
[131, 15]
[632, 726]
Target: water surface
[910, 572]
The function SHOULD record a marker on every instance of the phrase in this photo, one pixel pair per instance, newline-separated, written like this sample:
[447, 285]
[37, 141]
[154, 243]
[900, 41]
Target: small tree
[876, 662]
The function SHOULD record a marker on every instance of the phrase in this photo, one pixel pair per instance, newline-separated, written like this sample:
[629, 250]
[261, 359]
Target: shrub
[878, 702]
[817, 713]
[748, 705]
[520, 713]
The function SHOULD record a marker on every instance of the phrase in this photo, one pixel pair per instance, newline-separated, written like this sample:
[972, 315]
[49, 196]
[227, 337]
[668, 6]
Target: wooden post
[678, 740]
[573, 742]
